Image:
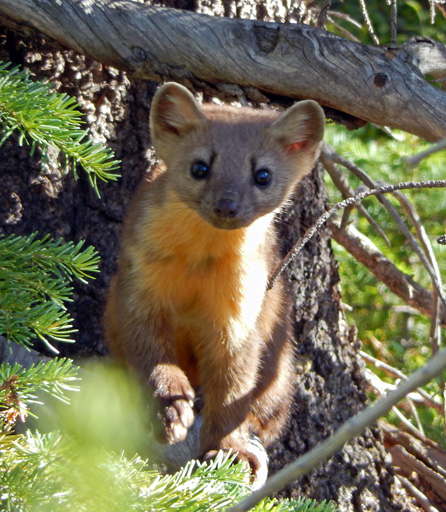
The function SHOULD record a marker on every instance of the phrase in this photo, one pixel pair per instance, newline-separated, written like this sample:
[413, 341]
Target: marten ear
[174, 112]
[300, 129]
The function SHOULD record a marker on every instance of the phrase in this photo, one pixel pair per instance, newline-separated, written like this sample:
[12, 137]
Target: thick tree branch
[377, 84]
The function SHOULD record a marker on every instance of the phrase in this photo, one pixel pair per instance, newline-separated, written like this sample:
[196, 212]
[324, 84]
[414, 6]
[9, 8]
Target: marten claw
[257, 462]
[178, 417]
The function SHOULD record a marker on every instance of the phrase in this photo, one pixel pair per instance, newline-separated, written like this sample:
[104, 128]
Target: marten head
[233, 165]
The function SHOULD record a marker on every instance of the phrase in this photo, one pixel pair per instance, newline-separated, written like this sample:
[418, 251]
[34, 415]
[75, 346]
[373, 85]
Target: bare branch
[393, 22]
[428, 400]
[363, 176]
[368, 22]
[342, 184]
[417, 494]
[381, 85]
[414, 160]
[300, 244]
[410, 427]
[364, 251]
[353, 427]
[420, 231]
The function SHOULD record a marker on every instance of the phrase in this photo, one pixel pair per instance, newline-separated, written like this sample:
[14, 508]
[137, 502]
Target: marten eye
[262, 178]
[199, 170]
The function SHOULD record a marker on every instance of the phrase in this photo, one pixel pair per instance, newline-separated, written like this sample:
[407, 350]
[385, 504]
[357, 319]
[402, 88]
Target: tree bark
[331, 385]
[377, 84]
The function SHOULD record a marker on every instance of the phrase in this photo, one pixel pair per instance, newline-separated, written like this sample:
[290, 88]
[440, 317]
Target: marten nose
[226, 208]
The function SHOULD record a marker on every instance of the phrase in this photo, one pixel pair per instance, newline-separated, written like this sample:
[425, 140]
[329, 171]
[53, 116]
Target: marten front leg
[143, 340]
[176, 398]
[228, 379]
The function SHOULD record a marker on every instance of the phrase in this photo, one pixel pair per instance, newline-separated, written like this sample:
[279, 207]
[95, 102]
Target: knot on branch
[267, 37]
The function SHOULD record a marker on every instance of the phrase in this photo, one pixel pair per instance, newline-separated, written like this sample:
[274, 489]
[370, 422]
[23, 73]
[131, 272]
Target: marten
[188, 308]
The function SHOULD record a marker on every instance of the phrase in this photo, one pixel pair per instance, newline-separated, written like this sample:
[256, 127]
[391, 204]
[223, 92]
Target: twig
[342, 30]
[412, 428]
[394, 372]
[393, 22]
[435, 337]
[381, 388]
[342, 184]
[435, 331]
[353, 427]
[420, 231]
[346, 17]
[368, 22]
[402, 285]
[363, 176]
[417, 494]
[414, 160]
[432, 10]
[416, 416]
[300, 244]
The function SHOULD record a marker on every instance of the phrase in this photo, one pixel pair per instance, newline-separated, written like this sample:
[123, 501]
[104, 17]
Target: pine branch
[78, 468]
[50, 473]
[47, 119]
[35, 280]
[19, 384]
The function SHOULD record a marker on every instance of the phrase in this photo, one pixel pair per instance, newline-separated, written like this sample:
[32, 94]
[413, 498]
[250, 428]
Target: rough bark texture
[331, 386]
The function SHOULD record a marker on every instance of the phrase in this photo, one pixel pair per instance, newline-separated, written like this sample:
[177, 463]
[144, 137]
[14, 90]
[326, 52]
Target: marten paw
[177, 412]
[254, 456]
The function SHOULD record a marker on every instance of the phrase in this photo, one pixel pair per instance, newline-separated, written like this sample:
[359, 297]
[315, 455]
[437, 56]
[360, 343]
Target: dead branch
[414, 160]
[420, 396]
[300, 244]
[365, 178]
[353, 427]
[381, 85]
[420, 460]
[346, 190]
[364, 251]
[417, 494]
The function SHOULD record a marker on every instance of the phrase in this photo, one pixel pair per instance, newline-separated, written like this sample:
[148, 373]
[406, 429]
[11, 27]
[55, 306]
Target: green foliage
[46, 119]
[389, 329]
[52, 476]
[34, 286]
[414, 18]
[19, 386]
[90, 462]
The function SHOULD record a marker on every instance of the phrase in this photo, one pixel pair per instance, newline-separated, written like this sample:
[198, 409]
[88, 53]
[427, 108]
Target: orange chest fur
[205, 278]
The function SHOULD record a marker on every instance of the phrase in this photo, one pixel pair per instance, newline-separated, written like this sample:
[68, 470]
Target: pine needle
[46, 119]
[35, 277]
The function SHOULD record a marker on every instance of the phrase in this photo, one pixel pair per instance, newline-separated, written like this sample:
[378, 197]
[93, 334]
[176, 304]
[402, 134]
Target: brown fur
[188, 307]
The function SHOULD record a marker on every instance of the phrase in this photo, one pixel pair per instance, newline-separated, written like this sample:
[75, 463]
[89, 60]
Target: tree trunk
[331, 385]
